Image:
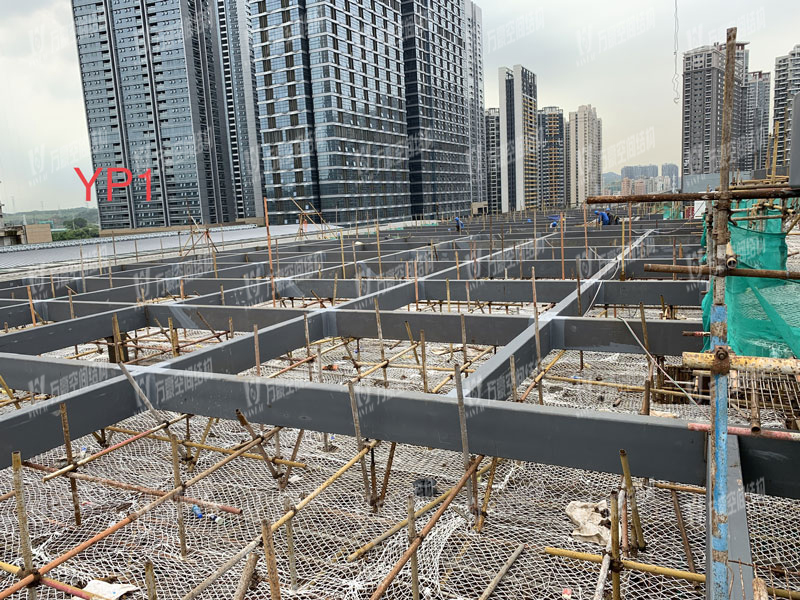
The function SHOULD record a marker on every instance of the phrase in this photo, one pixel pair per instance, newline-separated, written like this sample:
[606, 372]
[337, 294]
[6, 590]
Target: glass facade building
[150, 72]
[492, 155]
[552, 150]
[236, 51]
[473, 55]
[438, 129]
[519, 143]
[330, 94]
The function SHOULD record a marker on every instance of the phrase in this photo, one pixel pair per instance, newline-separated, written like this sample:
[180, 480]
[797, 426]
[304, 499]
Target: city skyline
[40, 56]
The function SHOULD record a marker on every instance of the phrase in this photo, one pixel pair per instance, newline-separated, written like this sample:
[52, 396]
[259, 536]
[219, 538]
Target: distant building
[584, 155]
[626, 189]
[239, 101]
[703, 83]
[787, 84]
[15, 235]
[756, 121]
[519, 161]
[153, 90]
[332, 110]
[640, 171]
[435, 94]
[473, 73]
[673, 172]
[640, 187]
[492, 156]
[552, 174]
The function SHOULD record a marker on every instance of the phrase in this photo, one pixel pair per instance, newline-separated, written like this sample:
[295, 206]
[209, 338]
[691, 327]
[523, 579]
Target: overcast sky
[617, 56]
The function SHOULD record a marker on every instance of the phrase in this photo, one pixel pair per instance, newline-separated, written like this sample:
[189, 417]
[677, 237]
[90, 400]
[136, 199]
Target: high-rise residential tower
[703, 83]
[152, 85]
[492, 154]
[473, 72]
[584, 155]
[787, 84]
[239, 100]
[639, 171]
[673, 172]
[552, 174]
[332, 120]
[519, 159]
[756, 121]
[436, 105]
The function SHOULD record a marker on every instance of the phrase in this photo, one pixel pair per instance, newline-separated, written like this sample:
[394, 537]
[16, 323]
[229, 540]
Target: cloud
[42, 118]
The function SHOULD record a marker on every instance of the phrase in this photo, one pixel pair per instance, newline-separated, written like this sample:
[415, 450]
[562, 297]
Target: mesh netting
[762, 313]
[527, 507]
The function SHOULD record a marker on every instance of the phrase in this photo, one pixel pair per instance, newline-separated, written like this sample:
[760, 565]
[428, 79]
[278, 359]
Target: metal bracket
[722, 361]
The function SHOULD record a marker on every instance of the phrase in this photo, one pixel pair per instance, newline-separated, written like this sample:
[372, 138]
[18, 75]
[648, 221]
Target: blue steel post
[717, 495]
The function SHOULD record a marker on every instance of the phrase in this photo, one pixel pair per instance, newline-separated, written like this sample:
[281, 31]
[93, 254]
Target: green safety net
[763, 315]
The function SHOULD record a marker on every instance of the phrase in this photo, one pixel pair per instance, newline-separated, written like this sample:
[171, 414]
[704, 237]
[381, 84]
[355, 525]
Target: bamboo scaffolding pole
[176, 478]
[624, 387]
[22, 519]
[638, 533]
[462, 422]
[487, 495]
[269, 555]
[412, 534]
[680, 488]
[384, 585]
[24, 582]
[255, 543]
[73, 485]
[52, 583]
[259, 447]
[247, 577]
[470, 362]
[537, 335]
[501, 573]
[687, 549]
[202, 446]
[150, 580]
[541, 375]
[104, 451]
[402, 524]
[135, 488]
[615, 558]
[656, 570]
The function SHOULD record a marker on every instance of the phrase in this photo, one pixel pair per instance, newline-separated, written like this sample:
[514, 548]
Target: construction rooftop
[255, 420]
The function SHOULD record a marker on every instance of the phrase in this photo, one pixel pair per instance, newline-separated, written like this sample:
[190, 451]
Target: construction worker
[459, 224]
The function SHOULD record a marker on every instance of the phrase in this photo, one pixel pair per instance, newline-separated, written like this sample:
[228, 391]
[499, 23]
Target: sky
[617, 56]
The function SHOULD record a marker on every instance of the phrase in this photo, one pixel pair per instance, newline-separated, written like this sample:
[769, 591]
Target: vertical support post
[22, 516]
[412, 533]
[424, 370]
[150, 581]
[717, 568]
[562, 246]
[380, 340]
[173, 337]
[359, 440]
[341, 248]
[308, 349]
[537, 335]
[615, 561]
[272, 565]
[30, 305]
[73, 485]
[256, 350]
[630, 494]
[462, 420]
[580, 304]
[176, 476]
[512, 367]
[287, 506]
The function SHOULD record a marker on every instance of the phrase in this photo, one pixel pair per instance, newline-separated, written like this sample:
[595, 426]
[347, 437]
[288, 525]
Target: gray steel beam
[54, 336]
[612, 335]
[676, 293]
